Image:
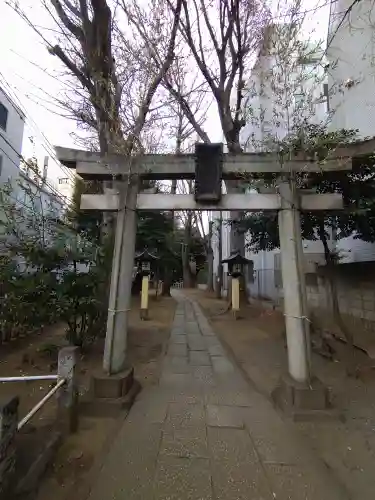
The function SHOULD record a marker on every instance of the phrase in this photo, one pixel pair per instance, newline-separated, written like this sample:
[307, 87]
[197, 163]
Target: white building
[36, 195]
[351, 72]
[280, 95]
[31, 188]
[66, 186]
[286, 87]
[12, 122]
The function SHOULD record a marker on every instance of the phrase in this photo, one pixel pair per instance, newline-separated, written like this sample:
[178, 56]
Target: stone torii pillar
[114, 358]
[296, 316]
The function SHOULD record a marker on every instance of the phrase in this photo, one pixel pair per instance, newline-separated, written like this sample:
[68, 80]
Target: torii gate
[126, 201]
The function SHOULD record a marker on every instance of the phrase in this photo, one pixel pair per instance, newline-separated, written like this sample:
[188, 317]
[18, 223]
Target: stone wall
[356, 294]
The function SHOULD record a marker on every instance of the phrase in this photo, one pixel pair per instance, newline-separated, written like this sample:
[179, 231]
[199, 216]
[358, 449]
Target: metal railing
[43, 401]
[29, 378]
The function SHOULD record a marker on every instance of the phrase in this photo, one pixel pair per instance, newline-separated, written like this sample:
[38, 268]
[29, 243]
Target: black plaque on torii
[208, 172]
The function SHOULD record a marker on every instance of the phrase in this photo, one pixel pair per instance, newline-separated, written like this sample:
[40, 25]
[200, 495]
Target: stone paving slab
[199, 358]
[185, 442]
[205, 433]
[204, 375]
[224, 416]
[182, 415]
[222, 365]
[216, 350]
[212, 341]
[293, 482]
[180, 479]
[130, 467]
[197, 344]
[177, 350]
[234, 480]
[178, 339]
[151, 412]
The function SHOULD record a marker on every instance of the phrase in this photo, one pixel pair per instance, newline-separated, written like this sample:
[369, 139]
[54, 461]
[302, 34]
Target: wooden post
[68, 394]
[8, 431]
[144, 298]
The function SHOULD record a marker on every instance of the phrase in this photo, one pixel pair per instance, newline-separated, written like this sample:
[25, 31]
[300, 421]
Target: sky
[33, 77]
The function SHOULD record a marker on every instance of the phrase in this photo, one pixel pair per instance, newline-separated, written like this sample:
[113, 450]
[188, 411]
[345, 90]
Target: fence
[67, 417]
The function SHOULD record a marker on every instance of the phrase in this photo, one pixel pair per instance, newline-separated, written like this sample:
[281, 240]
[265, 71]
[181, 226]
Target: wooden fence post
[8, 431]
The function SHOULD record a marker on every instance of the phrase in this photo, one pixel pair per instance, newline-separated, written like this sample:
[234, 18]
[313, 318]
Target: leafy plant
[47, 269]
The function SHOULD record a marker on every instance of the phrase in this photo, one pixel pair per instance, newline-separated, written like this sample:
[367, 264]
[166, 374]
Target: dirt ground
[77, 455]
[345, 444]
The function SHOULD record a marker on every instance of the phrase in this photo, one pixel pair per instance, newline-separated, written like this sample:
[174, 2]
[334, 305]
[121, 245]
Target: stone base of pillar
[143, 313]
[304, 401]
[236, 314]
[109, 395]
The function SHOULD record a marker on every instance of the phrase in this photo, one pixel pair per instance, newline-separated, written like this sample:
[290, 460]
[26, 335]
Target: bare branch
[73, 28]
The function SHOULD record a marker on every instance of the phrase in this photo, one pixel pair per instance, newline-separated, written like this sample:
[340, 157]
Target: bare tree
[99, 50]
[221, 38]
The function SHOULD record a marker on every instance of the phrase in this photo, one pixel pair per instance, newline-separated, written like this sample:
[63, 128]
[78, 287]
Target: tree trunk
[237, 238]
[210, 270]
[186, 271]
[210, 261]
[219, 283]
[331, 276]
[187, 275]
[167, 283]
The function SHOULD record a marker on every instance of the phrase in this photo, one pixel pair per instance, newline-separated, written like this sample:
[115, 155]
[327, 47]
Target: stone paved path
[204, 433]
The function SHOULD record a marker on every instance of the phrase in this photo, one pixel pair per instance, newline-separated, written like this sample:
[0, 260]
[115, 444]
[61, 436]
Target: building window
[3, 116]
[64, 180]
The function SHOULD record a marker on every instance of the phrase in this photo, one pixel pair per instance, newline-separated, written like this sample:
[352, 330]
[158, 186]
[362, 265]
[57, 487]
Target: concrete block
[112, 386]
[109, 407]
[311, 400]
